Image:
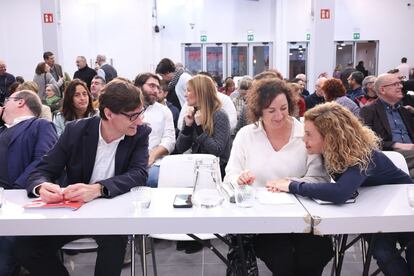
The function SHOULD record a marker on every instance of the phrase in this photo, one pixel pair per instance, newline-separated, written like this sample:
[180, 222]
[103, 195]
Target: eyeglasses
[395, 84]
[132, 117]
[153, 85]
[11, 98]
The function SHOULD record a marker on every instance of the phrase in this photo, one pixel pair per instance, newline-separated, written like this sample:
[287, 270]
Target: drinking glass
[245, 196]
[410, 195]
[141, 197]
[1, 196]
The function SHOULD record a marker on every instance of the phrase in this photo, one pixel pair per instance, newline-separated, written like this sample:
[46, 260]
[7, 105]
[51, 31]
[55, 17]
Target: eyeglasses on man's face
[11, 98]
[132, 117]
[394, 84]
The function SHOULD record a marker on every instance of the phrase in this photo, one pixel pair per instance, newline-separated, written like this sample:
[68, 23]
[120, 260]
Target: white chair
[398, 160]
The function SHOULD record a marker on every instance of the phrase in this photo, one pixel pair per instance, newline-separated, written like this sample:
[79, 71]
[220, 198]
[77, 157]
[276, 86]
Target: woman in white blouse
[269, 149]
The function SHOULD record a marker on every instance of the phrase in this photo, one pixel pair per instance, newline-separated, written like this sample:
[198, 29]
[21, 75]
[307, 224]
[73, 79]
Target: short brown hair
[40, 68]
[333, 88]
[119, 96]
[263, 93]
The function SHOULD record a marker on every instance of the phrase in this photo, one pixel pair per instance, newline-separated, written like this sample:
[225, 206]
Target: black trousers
[39, 254]
[294, 254]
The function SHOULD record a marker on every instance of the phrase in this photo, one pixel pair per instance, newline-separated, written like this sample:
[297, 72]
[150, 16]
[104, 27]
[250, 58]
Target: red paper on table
[39, 203]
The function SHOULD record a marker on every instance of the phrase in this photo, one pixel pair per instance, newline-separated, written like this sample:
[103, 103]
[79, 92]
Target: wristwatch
[104, 191]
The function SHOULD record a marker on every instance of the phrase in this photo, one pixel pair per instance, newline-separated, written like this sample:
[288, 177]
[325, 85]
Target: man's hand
[278, 185]
[246, 178]
[402, 146]
[50, 193]
[409, 108]
[82, 192]
[151, 159]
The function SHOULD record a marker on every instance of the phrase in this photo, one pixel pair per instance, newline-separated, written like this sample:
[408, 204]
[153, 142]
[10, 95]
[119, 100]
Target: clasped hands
[277, 185]
[81, 192]
[191, 116]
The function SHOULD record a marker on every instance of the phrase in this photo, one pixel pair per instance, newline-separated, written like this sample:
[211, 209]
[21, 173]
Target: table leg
[143, 256]
[242, 256]
[132, 237]
[368, 256]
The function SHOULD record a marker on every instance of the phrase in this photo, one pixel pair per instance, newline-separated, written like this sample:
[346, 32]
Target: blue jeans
[153, 173]
[386, 253]
[7, 261]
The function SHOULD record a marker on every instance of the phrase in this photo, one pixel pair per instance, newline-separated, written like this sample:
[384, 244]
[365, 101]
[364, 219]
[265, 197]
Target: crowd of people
[99, 135]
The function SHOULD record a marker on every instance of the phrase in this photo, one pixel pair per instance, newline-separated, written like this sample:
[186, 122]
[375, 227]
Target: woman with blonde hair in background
[352, 158]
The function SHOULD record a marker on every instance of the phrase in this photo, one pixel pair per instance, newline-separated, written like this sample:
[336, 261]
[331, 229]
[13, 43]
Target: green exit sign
[357, 35]
[307, 36]
[250, 37]
[203, 38]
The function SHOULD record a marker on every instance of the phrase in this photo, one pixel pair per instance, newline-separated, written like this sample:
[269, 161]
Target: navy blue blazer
[75, 151]
[31, 139]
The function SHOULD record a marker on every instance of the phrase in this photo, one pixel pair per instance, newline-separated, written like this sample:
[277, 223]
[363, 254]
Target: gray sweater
[195, 138]
[42, 80]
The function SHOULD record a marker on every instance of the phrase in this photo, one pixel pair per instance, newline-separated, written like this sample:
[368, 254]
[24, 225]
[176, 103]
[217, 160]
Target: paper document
[38, 203]
[266, 197]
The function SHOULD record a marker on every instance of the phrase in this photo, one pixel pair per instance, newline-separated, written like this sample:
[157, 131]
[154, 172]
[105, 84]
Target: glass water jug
[207, 183]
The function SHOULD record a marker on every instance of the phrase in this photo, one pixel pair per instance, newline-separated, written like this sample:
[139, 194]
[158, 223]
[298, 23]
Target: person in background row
[271, 148]
[105, 70]
[239, 101]
[360, 67]
[405, 69]
[96, 87]
[229, 86]
[19, 79]
[43, 77]
[334, 90]
[352, 158]
[162, 99]
[104, 156]
[77, 104]
[316, 97]
[304, 79]
[84, 73]
[6, 80]
[298, 100]
[52, 99]
[355, 85]
[46, 113]
[369, 92]
[337, 72]
[345, 73]
[393, 123]
[23, 141]
[177, 79]
[55, 69]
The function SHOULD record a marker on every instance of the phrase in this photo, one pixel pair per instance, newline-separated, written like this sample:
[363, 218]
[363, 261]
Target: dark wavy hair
[333, 88]
[263, 93]
[68, 108]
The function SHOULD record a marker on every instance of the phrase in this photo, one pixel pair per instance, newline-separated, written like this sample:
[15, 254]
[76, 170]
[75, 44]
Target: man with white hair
[317, 96]
[106, 71]
[370, 95]
[302, 77]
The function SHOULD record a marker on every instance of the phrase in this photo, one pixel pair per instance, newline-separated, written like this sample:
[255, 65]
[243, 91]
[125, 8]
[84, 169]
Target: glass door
[345, 54]
[193, 57]
[260, 57]
[298, 58]
[237, 59]
[214, 57]
[367, 52]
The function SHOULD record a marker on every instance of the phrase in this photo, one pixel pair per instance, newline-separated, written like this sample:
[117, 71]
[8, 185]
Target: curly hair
[263, 93]
[333, 88]
[347, 142]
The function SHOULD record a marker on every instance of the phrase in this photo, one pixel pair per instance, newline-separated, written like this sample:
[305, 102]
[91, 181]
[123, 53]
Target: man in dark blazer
[55, 69]
[393, 123]
[24, 139]
[104, 157]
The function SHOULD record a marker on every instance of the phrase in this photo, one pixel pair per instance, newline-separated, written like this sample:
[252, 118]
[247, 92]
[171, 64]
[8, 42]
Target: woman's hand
[246, 178]
[278, 185]
[197, 118]
[189, 116]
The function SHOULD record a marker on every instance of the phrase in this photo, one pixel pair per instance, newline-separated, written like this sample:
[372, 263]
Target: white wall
[21, 36]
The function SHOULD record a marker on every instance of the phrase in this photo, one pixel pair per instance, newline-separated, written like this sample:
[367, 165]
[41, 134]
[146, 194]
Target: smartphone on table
[183, 201]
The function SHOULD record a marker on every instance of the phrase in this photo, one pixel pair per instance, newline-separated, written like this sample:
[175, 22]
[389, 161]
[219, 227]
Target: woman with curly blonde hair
[351, 157]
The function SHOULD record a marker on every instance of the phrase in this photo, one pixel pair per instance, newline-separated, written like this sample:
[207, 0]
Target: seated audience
[390, 120]
[240, 99]
[369, 92]
[23, 141]
[229, 86]
[334, 90]
[97, 85]
[352, 158]
[6, 79]
[32, 86]
[159, 118]
[103, 158]
[52, 99]
[162, 99]
[302, 83]
[317, 96]
[355, 85]
[77, 104]
[299, 105]
[273, 148]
